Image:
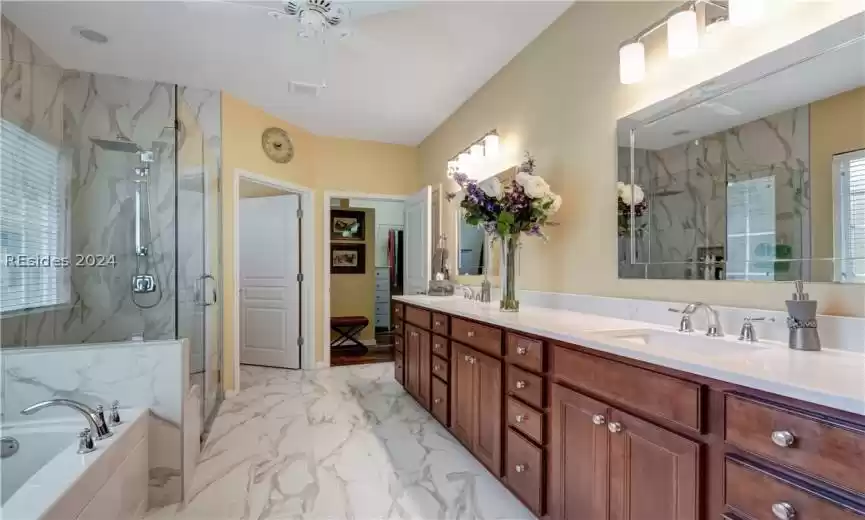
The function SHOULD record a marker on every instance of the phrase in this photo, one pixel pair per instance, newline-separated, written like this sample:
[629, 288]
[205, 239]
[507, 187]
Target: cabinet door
[578, 457]
[488, 410]
[462, 386]
[654, 473]
[424, 368]
[412, 360]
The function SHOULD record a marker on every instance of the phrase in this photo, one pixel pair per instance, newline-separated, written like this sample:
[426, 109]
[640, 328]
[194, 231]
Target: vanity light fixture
[683, 32]
[473, 157]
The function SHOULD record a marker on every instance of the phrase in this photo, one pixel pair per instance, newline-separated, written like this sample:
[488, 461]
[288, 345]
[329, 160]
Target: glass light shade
[464, 159]
[477, 151]
[683, 37]
[745, 12]
[632, 63]
[491, 145]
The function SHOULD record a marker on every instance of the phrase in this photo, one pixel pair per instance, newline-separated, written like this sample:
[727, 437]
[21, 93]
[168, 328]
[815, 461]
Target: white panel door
[269, 254]
[418, 246]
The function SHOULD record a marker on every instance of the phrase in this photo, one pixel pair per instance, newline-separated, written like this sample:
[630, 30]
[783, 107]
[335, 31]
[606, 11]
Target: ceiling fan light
[632, 63]
[683, 37]
[746, 12]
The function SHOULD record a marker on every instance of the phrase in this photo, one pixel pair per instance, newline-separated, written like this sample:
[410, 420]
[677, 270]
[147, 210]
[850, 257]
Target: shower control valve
[143, 283]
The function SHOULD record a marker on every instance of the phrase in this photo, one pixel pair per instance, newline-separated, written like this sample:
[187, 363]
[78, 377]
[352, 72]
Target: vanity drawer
[440, 368]
[398, 327]
[525, 386]
[832, 452]
[486, 339]
[440, 347]
[440, 401]
[419, 317]
[440, 323]
[525, 352]
[650, 392]
[398, 343]
[524, 471]
[398, 367]
[759, 495]
[398, 310]
[526, 420]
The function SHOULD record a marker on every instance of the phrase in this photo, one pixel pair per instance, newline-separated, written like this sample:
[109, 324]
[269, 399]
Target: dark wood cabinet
[411, 360]
[476, 404]
[578, 457]
[424, 370]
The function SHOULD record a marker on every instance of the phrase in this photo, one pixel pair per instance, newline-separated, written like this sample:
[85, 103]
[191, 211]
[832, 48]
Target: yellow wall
[320, 163]
[354, 294]
[837, 125]
[560, 98]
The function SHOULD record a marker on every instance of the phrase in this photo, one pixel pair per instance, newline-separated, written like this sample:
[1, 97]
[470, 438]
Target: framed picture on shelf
[347, 225]
[348, 258]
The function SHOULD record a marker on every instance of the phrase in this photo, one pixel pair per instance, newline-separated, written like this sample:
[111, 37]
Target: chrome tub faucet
[95, 419]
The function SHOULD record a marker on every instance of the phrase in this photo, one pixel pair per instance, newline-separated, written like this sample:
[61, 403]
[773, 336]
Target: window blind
[751, 229]
[32, 222]
[850, 238]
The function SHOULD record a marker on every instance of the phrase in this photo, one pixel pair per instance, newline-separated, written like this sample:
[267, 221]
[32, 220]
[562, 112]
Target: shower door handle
[204, 279]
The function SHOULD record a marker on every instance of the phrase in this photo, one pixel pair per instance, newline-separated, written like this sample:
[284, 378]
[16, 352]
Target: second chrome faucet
[713, 323]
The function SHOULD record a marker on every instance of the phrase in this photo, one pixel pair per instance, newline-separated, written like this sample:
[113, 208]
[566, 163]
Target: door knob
[783, 439]
[615, 427]
[783, 511]
[599, 419]
[520, 385]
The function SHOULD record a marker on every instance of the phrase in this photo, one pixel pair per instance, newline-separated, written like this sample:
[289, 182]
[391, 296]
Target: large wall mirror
[758, 175]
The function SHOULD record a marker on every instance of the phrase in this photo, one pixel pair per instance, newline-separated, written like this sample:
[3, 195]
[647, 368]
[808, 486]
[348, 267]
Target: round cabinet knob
[521, 384]
[437, 400]
[466, 358]
[520, 468]
[783, 511]
[522, 351]
[472, 360]
[470, 334]
[437, 324]
[615, 427]
[598, 419]
[521, 418]
[437, 367]
[783, 439]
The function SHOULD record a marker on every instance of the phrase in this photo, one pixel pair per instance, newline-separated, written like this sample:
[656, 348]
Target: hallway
[345, 442]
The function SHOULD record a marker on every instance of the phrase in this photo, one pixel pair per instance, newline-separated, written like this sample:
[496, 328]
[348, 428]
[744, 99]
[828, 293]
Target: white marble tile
[345, 442]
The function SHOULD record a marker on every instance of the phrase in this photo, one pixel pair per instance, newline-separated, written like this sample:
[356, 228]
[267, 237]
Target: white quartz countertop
[832, 378]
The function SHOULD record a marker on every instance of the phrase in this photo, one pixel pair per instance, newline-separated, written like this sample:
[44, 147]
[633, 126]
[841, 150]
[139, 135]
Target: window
[751, 245]
[849, 174]
[32, 222]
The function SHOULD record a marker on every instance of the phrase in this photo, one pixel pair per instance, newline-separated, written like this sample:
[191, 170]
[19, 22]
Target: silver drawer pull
[783, 439]
[521, 418]
[470, 334]
[414, 334]
[437, 367]
[522, 351]
[615, 427]
[437, 400]
[521, 384]
[783, 511]
[520, 468]
[598, 419]
[437, 324]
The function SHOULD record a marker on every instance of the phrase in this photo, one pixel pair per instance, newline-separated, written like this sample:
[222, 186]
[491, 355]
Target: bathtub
[48, 480]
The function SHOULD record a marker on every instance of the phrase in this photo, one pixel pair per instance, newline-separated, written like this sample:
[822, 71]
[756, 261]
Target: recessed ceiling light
[90, 35]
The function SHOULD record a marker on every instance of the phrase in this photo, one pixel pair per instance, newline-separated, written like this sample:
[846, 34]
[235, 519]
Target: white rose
[639, 195]
[620, 188]
[556, 205]
[492, 187]
[535, 187]
[625, 195]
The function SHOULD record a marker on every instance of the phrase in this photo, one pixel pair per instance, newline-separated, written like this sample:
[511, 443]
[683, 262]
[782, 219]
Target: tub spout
[97, 425]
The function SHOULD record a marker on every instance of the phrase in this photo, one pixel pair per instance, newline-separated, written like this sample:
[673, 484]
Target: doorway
[274, 274]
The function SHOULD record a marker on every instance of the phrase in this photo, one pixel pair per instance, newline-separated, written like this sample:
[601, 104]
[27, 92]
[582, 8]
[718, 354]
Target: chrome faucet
[94, 418]
[713, 323]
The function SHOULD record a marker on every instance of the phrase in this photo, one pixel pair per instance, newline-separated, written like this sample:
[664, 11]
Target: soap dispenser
[802, 320]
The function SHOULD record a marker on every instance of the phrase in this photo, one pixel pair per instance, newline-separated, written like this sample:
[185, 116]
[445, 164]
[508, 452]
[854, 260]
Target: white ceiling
[404, 69]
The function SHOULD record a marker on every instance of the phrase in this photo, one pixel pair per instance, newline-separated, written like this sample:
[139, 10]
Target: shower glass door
[198, 246]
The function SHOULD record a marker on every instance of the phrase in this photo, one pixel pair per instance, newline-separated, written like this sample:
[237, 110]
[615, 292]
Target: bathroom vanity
[587, 418]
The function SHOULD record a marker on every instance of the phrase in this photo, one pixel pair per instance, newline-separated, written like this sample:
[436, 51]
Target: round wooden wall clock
[277, 145]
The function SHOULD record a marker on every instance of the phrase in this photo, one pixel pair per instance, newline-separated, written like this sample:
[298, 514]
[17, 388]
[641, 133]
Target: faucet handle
[85, 442]
[748, 333]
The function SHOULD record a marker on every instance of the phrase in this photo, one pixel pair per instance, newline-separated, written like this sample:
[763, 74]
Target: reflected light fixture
[491, 145]
[746, 12]
[683, 37]
[472, 159]
[632, 63]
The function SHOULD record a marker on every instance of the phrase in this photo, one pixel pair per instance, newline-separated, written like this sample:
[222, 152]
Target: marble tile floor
[339, 443]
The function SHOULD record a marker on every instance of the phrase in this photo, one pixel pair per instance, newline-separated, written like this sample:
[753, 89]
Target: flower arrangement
[505, 211]
[628, 193]
[523, 205]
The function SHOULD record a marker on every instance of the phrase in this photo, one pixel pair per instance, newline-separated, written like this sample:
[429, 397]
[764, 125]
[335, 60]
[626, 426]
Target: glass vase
[510, 245]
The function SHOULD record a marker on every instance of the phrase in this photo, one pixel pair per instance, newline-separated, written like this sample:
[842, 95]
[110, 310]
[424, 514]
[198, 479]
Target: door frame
[308, 265]
[325, 254]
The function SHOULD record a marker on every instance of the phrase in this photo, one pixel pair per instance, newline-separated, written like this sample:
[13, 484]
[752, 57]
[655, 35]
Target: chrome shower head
[119, 145]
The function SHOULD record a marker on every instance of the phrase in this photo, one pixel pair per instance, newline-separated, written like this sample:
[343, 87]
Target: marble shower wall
[687, 187]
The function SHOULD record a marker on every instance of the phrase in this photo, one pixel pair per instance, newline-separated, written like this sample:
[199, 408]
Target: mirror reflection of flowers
[626, 194]
[522, 205]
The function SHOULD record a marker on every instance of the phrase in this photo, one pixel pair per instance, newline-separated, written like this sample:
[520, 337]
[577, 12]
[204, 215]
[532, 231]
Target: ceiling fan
[315, 17]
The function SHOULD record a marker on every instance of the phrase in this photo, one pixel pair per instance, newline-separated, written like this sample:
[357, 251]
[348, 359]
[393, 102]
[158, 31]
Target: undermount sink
[693, 342]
